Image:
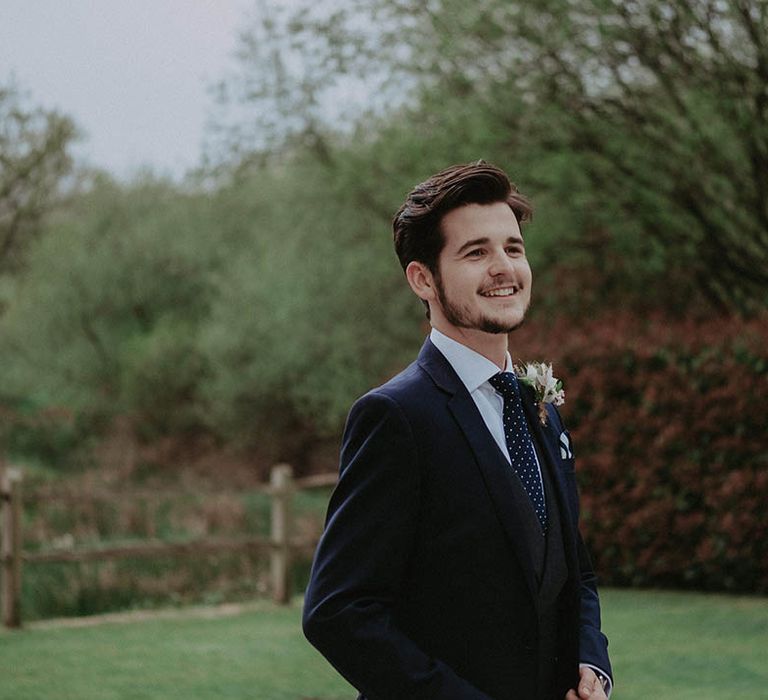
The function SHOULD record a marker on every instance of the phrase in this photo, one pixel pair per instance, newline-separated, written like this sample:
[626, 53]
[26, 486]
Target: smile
[501, 292]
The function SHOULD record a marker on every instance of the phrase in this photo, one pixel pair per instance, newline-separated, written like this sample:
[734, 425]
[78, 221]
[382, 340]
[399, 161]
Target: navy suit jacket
[423, 583]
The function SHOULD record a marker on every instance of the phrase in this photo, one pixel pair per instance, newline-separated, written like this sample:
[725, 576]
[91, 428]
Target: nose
[500, 263]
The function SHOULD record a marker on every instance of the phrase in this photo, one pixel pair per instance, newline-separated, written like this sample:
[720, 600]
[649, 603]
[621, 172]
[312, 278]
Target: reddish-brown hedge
[668, 419]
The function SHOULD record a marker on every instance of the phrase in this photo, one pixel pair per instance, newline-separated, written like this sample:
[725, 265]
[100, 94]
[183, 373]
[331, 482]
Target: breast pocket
[566, 449]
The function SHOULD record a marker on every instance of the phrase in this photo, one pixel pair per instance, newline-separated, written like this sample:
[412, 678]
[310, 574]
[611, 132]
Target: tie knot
[505, 384]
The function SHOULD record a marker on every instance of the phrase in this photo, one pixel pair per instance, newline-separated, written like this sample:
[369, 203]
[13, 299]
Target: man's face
[483, 279]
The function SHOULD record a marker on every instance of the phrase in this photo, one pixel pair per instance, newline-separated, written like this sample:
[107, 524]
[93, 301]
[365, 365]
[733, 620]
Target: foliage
[669, 444]
[309, 316]
[241, 312]
[34, 159]
[46, 436]
[77, 515]
[102, 321]
[644, 123]
[77, 589]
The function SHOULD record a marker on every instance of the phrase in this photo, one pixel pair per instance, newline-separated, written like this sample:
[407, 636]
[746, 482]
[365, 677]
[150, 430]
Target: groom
[451, 566]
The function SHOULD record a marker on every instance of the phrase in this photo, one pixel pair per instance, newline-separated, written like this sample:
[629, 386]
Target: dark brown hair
[416, 226]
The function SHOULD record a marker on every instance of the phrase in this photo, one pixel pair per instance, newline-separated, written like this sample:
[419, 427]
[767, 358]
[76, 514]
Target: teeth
[506, 292]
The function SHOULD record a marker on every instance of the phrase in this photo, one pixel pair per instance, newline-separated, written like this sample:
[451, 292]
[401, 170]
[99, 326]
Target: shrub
[670, 443]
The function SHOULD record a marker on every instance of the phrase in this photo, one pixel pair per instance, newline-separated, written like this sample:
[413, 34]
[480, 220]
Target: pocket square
[565, 446]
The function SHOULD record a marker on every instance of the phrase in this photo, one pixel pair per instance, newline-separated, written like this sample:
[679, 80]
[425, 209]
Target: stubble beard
[460, 318]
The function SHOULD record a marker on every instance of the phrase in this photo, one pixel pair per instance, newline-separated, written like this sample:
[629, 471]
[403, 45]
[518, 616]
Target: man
[451, 566]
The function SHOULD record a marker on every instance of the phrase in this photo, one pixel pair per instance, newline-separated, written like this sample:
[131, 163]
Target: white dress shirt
[475, 370]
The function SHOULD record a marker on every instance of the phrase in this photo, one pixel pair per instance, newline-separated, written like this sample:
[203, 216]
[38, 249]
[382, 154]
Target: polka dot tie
[519, 442]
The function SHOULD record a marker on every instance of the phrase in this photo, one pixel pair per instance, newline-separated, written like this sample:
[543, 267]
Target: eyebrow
[483, 241]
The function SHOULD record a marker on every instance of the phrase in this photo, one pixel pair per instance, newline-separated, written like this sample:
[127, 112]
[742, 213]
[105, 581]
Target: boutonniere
[546, 387]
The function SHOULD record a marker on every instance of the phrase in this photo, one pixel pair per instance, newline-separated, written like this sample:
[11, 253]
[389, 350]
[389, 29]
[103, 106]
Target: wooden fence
[281, 544]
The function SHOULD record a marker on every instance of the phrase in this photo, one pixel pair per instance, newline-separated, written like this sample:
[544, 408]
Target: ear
[421, 280]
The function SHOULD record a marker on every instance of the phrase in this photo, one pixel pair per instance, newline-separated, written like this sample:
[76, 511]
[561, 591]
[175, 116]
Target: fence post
[10, 546]
[281, 483]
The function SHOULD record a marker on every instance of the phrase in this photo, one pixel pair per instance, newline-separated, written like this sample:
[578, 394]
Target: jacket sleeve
[593, 644]
[361, 561]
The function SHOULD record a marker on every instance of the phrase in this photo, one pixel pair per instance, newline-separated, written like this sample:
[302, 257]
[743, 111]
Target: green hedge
[668, 419]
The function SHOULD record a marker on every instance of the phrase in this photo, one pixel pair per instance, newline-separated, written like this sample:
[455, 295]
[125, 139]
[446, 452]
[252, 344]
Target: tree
[311, 312]
[659, 106]
[105, 313]
[668, 102]
[34, 158]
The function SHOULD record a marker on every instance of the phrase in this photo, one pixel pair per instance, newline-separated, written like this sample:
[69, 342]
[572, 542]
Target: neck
[494, 346]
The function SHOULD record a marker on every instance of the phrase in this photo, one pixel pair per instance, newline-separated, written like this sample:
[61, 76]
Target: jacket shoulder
[402, 387]
[410, 394]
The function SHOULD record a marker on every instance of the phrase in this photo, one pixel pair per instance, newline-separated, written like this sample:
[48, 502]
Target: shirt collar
[473, 368]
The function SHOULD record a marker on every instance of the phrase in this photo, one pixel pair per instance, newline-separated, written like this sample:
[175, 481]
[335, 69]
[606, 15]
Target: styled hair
[416, 226]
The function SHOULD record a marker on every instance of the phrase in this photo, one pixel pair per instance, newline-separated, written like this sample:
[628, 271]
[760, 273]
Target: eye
[515, 249]
[475, 253]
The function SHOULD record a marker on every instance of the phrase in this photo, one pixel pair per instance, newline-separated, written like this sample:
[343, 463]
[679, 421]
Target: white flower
[546, 387]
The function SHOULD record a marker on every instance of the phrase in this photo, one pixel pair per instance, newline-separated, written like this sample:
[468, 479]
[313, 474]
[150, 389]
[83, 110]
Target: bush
[670, 444]
[102, 322]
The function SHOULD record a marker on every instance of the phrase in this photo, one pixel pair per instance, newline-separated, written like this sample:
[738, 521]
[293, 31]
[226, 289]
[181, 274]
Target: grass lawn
[681, 646]
[671, 646]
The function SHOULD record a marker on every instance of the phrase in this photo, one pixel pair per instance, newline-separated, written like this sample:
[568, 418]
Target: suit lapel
[496, 472]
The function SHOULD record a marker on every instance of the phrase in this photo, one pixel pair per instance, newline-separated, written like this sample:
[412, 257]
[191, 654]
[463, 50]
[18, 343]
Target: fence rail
[281, 544]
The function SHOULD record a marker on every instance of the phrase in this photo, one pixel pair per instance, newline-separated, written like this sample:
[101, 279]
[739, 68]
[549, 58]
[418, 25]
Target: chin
[500, 325]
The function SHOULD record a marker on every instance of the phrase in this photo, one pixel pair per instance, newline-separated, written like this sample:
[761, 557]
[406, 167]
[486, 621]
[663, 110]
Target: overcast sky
[132, 73]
